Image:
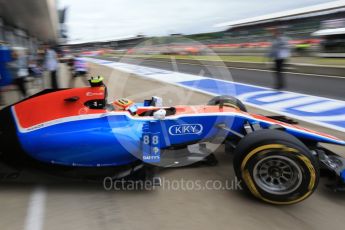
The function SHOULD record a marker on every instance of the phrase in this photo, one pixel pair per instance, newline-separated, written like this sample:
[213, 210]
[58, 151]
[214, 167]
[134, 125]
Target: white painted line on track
[277, 97]
[292, 103]
[322, 107]
[35, 213]
[283, 91]
[272, 110]
[251, 69]
[304, 74]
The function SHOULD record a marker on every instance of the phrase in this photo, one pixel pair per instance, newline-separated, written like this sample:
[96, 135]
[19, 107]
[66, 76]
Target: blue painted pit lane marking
[322, 111]
[287, 103]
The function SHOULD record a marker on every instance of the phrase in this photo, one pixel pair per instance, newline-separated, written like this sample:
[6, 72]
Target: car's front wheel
[276, 167]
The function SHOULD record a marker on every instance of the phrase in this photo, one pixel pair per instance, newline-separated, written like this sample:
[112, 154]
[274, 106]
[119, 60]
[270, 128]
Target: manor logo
[90, 94]
[185, 129]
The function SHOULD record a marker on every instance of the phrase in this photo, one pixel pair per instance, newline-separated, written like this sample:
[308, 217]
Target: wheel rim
[277, 175]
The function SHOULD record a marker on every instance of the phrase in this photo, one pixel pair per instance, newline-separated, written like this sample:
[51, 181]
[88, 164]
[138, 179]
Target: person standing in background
[280, 52]
[79, 70]
[35, 69]
[19, 70]
[51, 64]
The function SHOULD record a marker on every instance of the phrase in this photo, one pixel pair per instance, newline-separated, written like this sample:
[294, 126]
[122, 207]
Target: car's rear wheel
[228, 101]
[276, 167]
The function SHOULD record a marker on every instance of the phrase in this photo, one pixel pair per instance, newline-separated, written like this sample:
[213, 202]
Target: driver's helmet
[122, 104]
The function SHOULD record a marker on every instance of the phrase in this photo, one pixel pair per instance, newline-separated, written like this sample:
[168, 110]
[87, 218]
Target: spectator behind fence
[280, 52]
[51, 64]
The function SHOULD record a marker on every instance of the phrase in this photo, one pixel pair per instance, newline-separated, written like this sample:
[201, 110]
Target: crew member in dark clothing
[280, 52]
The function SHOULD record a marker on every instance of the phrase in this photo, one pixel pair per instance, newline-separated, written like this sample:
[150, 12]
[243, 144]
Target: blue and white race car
[77, 129]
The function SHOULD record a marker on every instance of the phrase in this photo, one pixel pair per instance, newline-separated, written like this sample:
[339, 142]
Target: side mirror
[72, 99]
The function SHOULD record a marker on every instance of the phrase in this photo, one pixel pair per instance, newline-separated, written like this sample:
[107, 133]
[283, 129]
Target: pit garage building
[29, 23]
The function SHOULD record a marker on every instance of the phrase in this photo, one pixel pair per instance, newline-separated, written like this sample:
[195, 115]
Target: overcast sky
[89, 20]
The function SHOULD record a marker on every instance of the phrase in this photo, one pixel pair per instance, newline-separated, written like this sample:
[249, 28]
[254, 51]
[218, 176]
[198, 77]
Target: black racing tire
[228, 101]
[276, 167]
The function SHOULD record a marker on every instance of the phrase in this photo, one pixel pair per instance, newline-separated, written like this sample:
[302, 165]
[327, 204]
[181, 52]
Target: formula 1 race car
[277, 162]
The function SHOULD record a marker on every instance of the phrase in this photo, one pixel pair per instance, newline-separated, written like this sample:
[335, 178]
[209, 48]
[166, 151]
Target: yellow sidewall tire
[269, 143]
